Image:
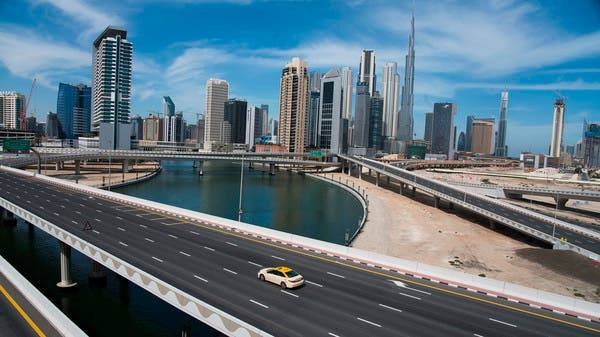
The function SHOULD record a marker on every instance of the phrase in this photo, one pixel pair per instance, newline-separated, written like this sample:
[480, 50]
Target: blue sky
[466, 52]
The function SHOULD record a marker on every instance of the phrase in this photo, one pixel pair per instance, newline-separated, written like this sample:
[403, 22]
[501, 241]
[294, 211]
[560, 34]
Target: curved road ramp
[207, 267]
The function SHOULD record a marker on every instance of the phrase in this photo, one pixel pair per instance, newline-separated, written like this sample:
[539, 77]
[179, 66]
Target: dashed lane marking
[259, 304]
[184, 254]
[201, 279]
[336, 275]
[149, 240]
[502, 322]
[255, 264]
[289, 293]
[230, 271]
[314, 283]
[388, 307]
[368, 322]
[157, 259]
[410, 296]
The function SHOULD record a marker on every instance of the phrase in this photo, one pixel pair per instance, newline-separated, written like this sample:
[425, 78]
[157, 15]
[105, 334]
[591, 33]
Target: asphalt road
[575, 238]
[339, 299]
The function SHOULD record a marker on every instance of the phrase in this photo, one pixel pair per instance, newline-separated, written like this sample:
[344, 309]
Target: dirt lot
[410, 228]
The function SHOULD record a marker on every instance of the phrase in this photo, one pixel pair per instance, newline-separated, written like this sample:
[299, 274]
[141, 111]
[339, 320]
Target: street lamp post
[240, 212]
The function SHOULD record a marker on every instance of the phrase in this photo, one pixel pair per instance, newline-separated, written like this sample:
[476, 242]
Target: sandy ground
[93, 174]
[413, 229]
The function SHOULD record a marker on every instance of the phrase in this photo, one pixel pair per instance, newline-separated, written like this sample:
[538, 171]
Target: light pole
[240, 212]
[109, 167]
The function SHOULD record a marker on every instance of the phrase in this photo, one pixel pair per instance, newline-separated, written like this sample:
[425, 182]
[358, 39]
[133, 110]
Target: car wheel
[261, 277]
[283, 286]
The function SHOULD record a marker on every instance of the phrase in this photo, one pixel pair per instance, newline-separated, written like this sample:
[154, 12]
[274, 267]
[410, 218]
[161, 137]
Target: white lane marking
[332, 334]
[78, 212]
[149, 240]
[278, 258]
[99, 211]
[411, 296]
[47, 200]
[231, 243]
[98, 220]
[143, 226]
[95, 231]
[42, 207]
[119, 218]
[100, 204]
[173, 236]
[195, 233]
[123, 244]
[62, 206]
[212, 250]
[81, 205]
[388, 307]
[121, 229]
[314, 284]
[184, 253]
[230, 271]
[477, 335]
[336, 275]
[403, 285]
[55, 214]
[29, 202]
[73, 221]
[201, 279]
[368, 322]
[258, 303]
[501, 322]
[289, 293]
[157, 259]
[255, 264]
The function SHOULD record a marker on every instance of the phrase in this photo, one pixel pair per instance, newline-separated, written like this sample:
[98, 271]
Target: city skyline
[532, 69]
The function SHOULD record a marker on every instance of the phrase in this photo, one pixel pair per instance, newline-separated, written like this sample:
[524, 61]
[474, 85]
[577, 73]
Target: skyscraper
[264, 110]
[405, 117]
[460, 146]
[312, 128]
[73, 108]
[362, 115]
[428, 126]
[376, 121]
[443, 129]
[366, 70]
[469, 134]
[330, 112]
[217, 92]
[482, 137]
[391, 83]
[314, 81]
[347, 88]
[501, 148]
[557, 127]
[251, 126]
[111, 87]
[152, 128]
[52, 125]
[591, 145]
[293, 105]
[12, 109]
[235, 115]
[168, 106]
[137, 127]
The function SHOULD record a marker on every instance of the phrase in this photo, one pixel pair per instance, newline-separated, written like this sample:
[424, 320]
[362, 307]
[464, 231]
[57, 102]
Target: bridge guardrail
[57, 318]
[495, 288]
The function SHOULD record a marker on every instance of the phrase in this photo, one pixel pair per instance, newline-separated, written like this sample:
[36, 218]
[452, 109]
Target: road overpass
[581, 240]
[206, 266]
[561, 196]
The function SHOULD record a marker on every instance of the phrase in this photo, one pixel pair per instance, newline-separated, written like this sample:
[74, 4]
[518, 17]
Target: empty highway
[339, 299]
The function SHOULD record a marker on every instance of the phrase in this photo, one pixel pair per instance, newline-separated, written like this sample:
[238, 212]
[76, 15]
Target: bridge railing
[455, 278]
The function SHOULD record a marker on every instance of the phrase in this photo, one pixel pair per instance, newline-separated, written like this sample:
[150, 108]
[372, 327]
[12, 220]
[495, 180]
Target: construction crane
[23, 117]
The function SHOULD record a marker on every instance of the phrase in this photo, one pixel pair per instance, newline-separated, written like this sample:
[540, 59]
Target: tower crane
[23, 116]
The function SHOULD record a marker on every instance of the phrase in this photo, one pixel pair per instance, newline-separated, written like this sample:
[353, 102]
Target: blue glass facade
[73, 110]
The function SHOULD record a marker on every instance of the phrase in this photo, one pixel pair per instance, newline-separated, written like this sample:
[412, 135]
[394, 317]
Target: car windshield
[291, 274]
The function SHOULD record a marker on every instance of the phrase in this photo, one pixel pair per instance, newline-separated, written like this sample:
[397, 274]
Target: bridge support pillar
[65, 267]
[561, 202]
[250, 165]
[436, 202]
[97, 274]
[388, 180]
[125, 166]
[401, 188]
[57, 165]
[194, 164]
[414, 191]
[359, 171]
[7, 218]
[377, 179]
[186, 330]
[271, 169]
[514, 195]
[492, 224]
[77, 167]
[451, 205]
[369, 172]
[349, 169]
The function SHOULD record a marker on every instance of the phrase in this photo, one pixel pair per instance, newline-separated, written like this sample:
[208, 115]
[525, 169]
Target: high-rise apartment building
[293, 105]
[152, 128]
[264, 110]
[501, 148]
[366, 70]
[347, 88]
[482, 136]
[591, 145]
[405, 117]
[376, 127]
[391, 86]
[312, 138]
[235, 116]
[73, 109]
[52, 130]
[330, 112]
[137, 128]
[362, 117]
[558, 125]
[173, 123]
[12, 109]
[251, 126]
[443, 129]
[217, 92]
[428, 135]
[273, 126]
[112, 56]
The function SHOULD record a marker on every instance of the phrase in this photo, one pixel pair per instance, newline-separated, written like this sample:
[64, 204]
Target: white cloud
[26, 55]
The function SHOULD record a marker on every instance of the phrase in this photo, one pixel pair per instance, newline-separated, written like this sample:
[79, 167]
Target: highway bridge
[207, 266]
[561, 234]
